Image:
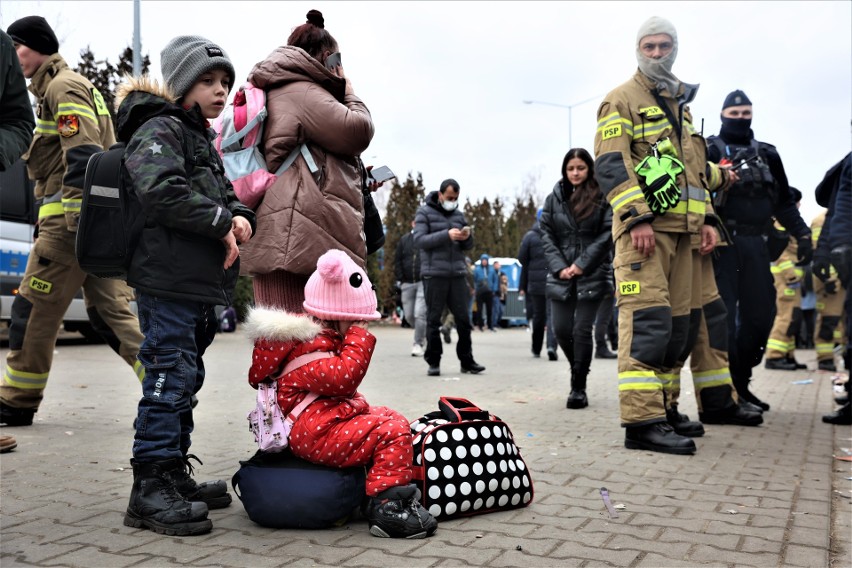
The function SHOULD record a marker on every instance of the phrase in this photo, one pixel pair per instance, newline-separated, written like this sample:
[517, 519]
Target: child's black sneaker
[397, 513]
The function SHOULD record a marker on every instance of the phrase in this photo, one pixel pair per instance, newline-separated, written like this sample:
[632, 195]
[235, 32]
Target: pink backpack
[270, 428]
[239, 135]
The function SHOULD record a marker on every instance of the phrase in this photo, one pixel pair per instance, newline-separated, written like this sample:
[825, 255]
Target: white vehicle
[17, 222]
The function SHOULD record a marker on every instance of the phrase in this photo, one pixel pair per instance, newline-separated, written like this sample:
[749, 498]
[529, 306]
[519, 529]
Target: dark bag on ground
[279, 490]
[466, 462]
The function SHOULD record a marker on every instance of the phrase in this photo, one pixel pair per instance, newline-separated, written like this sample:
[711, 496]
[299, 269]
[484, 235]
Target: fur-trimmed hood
[277, 325]
[138, 99]
[143, 84]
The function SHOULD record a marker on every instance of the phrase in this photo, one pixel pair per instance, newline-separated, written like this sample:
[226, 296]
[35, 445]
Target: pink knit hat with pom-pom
[340, 290]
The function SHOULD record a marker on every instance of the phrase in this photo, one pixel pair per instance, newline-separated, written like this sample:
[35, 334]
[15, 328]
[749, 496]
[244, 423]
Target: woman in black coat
[576, 224]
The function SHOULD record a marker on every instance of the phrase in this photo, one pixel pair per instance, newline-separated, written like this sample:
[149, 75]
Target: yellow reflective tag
[628, 288]
[789, 292]
[651, 111]
[611, 132]
[100, 105]
[40, 285]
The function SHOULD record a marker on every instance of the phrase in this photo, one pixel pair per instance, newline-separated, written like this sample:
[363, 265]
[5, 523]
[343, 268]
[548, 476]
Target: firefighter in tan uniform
[715, 394]
[651, 164]
[830, 296]
[787, 277]
[72, 123]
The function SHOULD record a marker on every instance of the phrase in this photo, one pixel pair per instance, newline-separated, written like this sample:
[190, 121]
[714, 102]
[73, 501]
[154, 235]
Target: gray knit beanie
[185, 58]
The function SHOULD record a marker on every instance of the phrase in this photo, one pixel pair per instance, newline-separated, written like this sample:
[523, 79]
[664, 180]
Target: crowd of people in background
[694, 247]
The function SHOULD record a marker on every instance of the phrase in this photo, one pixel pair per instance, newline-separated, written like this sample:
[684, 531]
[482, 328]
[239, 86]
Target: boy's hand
[241, 228]
[232, 251]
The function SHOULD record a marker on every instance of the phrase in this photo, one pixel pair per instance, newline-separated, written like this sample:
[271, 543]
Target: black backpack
[111, 219]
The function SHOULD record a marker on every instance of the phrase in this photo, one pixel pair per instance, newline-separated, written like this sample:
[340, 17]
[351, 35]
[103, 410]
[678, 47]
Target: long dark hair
[586, 197]
[312, 37]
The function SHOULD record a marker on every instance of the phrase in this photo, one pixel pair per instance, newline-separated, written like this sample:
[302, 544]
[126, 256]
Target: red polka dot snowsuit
[340, 428]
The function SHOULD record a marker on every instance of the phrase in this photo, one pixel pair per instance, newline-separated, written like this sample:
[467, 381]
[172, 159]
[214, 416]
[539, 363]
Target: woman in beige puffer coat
[306, 213]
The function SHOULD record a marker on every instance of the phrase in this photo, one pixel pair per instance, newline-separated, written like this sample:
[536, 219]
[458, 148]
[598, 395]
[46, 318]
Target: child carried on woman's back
[340, 428]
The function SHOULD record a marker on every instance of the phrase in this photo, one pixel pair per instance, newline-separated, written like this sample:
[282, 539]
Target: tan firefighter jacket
[630, 122]
[72, 123]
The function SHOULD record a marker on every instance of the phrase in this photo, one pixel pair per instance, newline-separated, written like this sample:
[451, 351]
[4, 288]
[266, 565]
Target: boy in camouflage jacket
[186, 262]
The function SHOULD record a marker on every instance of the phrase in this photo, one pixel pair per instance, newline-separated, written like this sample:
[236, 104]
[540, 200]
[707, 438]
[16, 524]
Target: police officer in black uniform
[747, 209]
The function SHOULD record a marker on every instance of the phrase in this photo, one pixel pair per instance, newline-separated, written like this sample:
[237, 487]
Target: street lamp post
[569, 107]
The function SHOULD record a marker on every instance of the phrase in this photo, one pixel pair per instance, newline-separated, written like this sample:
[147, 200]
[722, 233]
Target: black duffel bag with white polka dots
[466, 462]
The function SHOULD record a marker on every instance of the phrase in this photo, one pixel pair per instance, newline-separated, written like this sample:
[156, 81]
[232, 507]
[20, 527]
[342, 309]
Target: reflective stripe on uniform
[72, 204]
[692, 200]
[649, 129]
[777, 345]
[639, 380]
[824, 348]
[781, 267]
[74, 108]
[712, 378]
[25, 380]
[46, 127]
[139, 369]
[670, 380]
[625, 197]
[612, 119]
[51, 205]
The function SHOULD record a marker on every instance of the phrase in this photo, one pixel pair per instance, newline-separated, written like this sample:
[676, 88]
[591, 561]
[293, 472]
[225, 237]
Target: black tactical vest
[756, 179]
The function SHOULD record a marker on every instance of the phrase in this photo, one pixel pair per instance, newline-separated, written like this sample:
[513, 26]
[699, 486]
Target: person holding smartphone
[312, 105]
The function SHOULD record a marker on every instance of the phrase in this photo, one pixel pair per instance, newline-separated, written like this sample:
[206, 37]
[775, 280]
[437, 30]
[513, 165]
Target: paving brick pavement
[767, 496]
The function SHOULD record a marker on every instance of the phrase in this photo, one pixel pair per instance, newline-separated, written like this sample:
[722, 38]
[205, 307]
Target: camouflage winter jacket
[187, 199]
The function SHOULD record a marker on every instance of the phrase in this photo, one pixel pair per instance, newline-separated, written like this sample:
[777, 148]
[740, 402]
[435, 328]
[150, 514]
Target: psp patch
[611, 132]
[629, 288]
[68, 125]
[40, 285]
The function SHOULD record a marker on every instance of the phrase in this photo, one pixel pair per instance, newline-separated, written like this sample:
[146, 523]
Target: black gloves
[822, 265]
[831, 287]
[841, 258]
[805, 250]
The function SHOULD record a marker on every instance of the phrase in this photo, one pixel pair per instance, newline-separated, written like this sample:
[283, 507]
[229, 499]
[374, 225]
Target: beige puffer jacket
[303, 214]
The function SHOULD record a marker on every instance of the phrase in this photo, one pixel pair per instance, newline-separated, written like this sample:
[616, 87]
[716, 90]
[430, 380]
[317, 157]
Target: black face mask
[735, 129]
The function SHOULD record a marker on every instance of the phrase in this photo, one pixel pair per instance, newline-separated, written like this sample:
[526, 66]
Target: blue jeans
[177, 333]
[496, 312]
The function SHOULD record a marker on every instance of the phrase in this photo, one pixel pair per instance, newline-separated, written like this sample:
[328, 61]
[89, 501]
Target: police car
[17, 222]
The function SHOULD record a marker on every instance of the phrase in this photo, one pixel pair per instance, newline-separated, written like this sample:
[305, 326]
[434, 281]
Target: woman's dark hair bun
[315, 18]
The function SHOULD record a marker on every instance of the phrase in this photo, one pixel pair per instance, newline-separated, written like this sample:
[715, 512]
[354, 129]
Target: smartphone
[333, 61]
[382, 173]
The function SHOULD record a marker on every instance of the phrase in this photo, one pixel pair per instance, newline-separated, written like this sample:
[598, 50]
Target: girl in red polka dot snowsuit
[340, 429]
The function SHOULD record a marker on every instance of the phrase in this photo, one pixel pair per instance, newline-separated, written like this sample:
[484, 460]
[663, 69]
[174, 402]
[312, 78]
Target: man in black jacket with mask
[443, 235]
[747, 208]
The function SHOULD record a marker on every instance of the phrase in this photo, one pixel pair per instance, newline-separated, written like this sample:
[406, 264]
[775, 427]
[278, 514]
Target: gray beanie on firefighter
[185, 58]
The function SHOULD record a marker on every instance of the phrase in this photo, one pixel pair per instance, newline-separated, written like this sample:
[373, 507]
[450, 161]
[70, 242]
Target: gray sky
[445, 81]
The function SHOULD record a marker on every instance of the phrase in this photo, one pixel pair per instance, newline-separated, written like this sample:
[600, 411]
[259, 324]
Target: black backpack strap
[676, 124]
[720, 145]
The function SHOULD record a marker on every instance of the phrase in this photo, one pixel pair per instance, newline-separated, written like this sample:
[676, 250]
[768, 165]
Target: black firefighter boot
[718, 407]
[213, 493]
[577, 398]
[155, 504]
[682, 424]
[741, 384]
